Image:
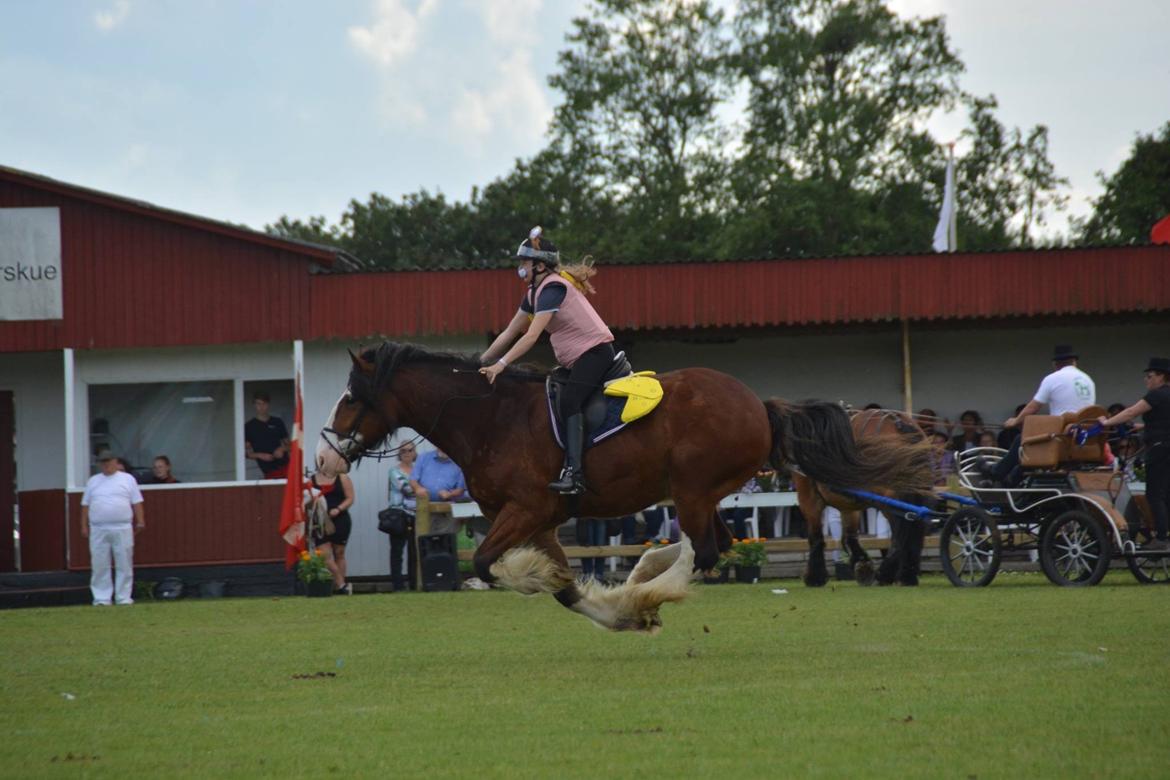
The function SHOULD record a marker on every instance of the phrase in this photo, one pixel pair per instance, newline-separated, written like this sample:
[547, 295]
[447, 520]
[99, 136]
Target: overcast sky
[245, 111]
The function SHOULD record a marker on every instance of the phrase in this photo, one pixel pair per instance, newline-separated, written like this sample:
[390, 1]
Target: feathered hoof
[864, 573]
[646, 623]
[815, 579]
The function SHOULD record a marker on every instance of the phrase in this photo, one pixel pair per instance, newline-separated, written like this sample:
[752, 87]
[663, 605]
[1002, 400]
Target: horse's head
[358, 422]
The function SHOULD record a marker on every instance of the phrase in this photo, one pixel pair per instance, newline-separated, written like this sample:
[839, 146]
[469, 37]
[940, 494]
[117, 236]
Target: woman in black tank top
[338, 495]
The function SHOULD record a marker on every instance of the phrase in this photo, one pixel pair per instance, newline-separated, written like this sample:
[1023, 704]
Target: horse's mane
[389, 356]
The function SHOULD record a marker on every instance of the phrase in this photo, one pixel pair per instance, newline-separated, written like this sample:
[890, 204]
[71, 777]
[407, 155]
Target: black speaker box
[438, 562]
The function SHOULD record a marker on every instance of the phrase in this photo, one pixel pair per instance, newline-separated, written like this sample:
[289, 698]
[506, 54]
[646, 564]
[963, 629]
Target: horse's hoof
[864, 573]
[816, 580]
[649, 624]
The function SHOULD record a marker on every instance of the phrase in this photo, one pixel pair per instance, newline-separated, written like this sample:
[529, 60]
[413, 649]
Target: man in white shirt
[111, 513]
[1067, 389]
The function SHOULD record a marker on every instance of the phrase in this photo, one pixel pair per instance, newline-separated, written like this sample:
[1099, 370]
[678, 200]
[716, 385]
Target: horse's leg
[812, 504]
[525, 570]
[858, 557]
[887, 571]
[911, 558]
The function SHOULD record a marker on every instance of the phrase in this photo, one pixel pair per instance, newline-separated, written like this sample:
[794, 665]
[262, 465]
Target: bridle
[343, 444]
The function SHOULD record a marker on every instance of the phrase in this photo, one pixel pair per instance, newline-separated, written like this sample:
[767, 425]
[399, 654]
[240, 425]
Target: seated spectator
[987, 439]
[942, 458]
[970, 426]
[161, 472]
[1007, 436]
[929, 421]
[872, 405]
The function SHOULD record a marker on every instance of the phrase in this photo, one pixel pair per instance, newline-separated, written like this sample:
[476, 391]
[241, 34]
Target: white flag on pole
[944, 232]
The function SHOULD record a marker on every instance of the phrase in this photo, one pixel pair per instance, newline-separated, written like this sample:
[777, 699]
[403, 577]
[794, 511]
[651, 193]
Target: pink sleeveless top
[575, 328]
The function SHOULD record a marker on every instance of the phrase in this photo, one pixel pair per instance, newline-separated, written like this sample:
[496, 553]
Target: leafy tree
[642, 80]
[1135, 197]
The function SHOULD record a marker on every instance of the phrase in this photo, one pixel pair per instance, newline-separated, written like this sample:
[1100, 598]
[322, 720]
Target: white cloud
[511, 21]
[108, 20]
[394, 34]
[515, 101]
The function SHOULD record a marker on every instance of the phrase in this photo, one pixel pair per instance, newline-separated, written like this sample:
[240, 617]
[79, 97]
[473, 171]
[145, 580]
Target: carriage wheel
[1149, 569]
[969, 548]
[1074, 550]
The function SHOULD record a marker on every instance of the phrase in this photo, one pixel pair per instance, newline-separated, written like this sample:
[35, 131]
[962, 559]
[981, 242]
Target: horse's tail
[816, 436]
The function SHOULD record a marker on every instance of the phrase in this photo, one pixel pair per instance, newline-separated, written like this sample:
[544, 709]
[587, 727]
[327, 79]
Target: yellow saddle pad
[641, 391]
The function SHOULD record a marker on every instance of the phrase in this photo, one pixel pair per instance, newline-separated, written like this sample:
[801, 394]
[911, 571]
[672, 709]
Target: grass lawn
[1019, 679]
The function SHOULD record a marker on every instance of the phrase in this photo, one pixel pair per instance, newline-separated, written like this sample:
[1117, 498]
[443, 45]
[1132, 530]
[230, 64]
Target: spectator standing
[266, 439]
[401, 494]
[929, 421]
[1066, 389]
[591, 532]
[737, 516]
[161, 472]
[438, 478]
[338, 494]
[111, 514]
[1154, 407]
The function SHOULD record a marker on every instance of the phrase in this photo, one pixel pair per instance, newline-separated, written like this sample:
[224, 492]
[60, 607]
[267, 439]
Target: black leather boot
[572, 481]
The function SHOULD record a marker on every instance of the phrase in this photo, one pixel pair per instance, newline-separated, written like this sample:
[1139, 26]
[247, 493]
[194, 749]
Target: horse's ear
[359, 363]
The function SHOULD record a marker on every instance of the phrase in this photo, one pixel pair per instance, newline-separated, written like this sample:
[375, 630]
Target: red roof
[135, 275]
[765, 293]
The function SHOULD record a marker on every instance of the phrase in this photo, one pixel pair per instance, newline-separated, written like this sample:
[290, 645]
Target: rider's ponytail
[580, 274]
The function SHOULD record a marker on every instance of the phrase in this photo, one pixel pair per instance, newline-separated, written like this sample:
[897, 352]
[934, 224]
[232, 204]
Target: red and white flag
[292, 508]
[1160, 233]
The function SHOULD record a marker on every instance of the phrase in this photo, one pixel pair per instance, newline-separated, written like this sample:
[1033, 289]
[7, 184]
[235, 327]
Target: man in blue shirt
[438, 477]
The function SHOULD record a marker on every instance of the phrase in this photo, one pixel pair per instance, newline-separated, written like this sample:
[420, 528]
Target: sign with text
[30, 264]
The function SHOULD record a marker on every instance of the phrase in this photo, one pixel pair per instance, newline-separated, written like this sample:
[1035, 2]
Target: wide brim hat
[1159, 364]
[1064, 352]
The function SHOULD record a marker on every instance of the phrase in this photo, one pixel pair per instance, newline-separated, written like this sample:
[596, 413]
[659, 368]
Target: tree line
[793, 128]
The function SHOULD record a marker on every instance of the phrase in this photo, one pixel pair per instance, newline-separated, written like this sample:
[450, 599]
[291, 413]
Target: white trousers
[106, 541]
[831, 528]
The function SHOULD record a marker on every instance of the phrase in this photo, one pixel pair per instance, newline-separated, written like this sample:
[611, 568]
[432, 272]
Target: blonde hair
[580, 273]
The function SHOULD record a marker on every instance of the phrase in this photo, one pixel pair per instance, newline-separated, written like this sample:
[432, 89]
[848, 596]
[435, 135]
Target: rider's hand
[491, 372]
[1101, 420]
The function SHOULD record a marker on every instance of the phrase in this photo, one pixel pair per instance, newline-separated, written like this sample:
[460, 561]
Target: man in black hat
[1067, 389]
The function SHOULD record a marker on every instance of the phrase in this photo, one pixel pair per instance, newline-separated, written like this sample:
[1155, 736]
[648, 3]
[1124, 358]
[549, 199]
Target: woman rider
[1154, 407]
[580, 340]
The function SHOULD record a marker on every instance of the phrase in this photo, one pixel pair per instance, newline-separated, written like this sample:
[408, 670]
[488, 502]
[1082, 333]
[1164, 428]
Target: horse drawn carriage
[1069, 507]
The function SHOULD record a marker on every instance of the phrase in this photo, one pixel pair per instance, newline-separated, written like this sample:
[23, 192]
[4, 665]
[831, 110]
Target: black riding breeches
[584, 378]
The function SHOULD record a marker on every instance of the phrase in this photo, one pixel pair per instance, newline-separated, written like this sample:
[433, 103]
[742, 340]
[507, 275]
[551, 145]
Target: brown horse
[709, 434]
[903, 559]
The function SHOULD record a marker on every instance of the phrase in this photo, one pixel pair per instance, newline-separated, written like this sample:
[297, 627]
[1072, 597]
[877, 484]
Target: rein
[392, 452]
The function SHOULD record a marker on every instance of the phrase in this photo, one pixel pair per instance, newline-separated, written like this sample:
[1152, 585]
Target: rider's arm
[514, 329]
[526, 342]
[1125, 415]
[1032, 407]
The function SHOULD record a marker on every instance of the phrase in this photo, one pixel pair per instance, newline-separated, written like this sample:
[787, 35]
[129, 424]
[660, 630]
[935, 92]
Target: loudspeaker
[438, 562]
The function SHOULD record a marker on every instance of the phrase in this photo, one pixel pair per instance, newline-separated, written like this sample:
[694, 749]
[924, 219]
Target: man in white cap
[111, 513]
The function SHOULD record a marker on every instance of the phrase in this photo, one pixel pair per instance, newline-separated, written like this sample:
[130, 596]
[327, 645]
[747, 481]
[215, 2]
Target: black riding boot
[572, 481]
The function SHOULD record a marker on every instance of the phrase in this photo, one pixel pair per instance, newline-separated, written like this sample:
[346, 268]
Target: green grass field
[1019, 679]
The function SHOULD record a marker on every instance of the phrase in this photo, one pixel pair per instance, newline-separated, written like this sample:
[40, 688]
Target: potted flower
[750, 557]
[312, 571]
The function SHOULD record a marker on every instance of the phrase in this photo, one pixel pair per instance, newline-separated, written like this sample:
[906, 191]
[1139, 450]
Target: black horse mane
[389, 356]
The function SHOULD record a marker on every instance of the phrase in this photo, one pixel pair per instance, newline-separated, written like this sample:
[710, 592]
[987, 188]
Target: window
[192, 423]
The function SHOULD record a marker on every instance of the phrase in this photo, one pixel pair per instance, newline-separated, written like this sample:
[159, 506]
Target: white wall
[37, 382]
[327, 366]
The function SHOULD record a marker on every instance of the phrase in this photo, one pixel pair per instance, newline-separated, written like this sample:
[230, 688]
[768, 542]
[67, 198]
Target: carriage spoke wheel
[969, 548]
[1149, 569]
[1074, 549]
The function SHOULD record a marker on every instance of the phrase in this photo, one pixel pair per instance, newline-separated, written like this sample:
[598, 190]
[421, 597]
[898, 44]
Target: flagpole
[952, 228]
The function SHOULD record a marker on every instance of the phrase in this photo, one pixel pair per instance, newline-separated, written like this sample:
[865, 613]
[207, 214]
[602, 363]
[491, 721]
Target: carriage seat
[1045, 446]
